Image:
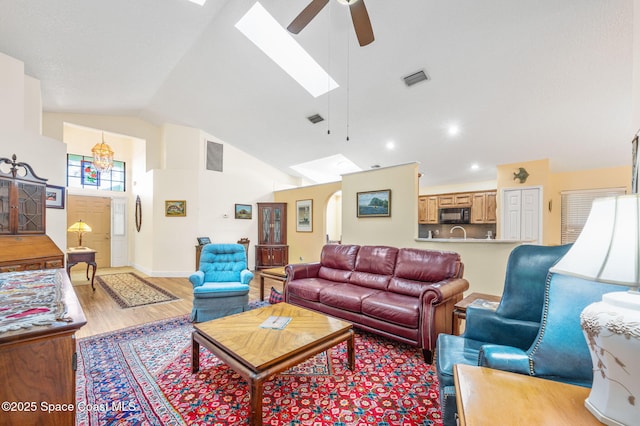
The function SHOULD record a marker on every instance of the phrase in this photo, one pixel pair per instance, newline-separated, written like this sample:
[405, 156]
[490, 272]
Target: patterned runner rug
[142, 375]
[129, 290]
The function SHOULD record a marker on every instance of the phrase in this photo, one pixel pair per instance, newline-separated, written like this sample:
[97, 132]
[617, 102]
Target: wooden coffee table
[258, 354]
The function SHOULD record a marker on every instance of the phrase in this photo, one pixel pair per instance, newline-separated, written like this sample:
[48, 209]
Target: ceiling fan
[359, 16]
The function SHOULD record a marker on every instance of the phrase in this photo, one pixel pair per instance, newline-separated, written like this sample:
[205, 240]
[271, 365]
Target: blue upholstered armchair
[515, 323]
[221, 284]
[560, 350]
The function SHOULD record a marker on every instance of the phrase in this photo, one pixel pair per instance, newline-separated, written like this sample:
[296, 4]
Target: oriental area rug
[142, 375]
[130, 290]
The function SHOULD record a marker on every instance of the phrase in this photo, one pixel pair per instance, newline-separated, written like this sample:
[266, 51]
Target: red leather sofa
[404, 294]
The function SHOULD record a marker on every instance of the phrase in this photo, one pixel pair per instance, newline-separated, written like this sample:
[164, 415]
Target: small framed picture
[203, 240]
[54, 197]
[175, 208]
[243, 211]
[374, 203]
[304, 216]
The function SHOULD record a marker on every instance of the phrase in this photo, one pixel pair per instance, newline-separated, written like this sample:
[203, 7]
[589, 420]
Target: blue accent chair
[221, 284]
[560, 351]
[515, 322]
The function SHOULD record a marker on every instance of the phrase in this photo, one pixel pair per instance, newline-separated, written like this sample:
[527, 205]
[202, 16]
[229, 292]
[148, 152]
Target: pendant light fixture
[102, 156]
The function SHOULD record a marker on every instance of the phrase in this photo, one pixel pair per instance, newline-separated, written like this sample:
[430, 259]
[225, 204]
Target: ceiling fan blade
[361, 22]
[306, 16]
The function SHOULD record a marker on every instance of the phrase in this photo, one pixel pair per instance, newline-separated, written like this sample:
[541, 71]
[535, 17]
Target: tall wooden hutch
[23, 242]
[37, 364]
[272, 249]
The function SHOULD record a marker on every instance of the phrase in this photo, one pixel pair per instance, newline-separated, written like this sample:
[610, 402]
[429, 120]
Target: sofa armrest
[197, 279]
[506, 358]
[246, 276]
[298, 271]
[437, 309]
[485, 325]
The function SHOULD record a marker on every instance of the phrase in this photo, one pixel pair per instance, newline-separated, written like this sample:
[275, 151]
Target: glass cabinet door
[5, 224]
[30, 208]
[277, 225]
[265, 217]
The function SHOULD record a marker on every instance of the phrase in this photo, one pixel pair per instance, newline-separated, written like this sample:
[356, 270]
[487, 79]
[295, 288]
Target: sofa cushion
[220, 289]
[374, 266]
[337, 262]
[394, 308]
[416, 269]
[308, 288]
[346, 296]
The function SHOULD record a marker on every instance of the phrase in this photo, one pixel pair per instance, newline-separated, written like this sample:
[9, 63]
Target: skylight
[327, 169]
[276, 42]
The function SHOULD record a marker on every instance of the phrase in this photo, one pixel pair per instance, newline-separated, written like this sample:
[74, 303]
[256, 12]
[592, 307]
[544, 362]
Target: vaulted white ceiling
[523, 79]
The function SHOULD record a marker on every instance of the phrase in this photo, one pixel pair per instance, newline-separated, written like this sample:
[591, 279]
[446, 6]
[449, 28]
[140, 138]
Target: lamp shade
[79, 226]
[607, 249]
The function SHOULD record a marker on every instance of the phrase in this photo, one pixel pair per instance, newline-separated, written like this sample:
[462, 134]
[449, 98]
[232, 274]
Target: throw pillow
[275, 296]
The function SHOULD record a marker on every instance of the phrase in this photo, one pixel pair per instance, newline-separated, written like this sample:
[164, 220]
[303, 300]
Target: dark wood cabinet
[272, 249]
[38, 365]
[23, 243]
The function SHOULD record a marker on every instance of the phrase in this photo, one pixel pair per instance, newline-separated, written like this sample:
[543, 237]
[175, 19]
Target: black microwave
[454, 215]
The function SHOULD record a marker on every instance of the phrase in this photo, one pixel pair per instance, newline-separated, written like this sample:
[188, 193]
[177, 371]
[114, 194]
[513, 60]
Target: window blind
[575, 208]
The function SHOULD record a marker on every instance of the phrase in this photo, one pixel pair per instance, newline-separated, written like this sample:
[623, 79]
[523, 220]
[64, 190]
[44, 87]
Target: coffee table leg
[195, 354]
[255, 398]
[261, 287]
[351, 353]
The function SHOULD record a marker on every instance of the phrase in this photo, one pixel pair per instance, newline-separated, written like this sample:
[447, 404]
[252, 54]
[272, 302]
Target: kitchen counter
[469, 240]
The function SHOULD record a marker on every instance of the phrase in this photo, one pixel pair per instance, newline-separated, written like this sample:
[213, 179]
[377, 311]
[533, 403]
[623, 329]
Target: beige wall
[398, 229]
[306, 246]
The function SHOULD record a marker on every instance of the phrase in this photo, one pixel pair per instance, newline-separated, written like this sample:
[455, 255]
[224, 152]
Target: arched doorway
[334, 218]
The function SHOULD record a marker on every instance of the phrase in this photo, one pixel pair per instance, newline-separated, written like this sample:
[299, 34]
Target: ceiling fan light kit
[359, 17]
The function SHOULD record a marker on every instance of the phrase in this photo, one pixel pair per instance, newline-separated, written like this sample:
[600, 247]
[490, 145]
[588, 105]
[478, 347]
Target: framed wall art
[55, 197]
[243, 211]
[304, 216]
[175, 208]
[374, 203]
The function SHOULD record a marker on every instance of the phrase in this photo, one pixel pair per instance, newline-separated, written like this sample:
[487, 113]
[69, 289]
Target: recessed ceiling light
[390, 145]
[198, 2]
[475, 166]
[266, 33]
[453, 130]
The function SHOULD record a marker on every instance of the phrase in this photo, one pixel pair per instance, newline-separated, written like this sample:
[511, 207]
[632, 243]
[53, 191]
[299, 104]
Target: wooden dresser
[24, 244]
[38, 368]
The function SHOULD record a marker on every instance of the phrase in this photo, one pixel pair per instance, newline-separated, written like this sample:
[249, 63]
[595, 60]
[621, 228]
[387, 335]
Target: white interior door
[521, 215]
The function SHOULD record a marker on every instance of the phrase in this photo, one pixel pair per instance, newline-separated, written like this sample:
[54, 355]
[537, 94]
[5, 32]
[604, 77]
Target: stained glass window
[81, 173]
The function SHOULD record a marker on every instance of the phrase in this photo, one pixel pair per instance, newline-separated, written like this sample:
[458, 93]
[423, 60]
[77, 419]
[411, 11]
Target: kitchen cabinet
[23, 243]
[272, 249]
[483, 209]
[462, 199]
[428, 209]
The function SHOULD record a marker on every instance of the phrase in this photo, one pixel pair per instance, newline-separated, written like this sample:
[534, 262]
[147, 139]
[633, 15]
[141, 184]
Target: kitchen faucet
[459, 227]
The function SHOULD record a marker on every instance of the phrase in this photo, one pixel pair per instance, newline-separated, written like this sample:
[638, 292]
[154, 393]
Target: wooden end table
[494, 397]
[460, 308]
[258, 354]
[82, 254]
[277, 274]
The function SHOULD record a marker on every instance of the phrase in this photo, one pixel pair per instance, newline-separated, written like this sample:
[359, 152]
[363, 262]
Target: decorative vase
[612, 330]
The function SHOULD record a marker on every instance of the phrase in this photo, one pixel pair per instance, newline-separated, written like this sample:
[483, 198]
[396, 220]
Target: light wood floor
[104, 315]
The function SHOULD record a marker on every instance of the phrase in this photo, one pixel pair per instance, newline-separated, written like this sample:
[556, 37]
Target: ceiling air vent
[316, 118]
[415, 78]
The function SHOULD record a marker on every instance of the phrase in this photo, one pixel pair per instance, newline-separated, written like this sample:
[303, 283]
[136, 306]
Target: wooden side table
[494, 397]
[82, 254]
[460, 308]
[277, 274]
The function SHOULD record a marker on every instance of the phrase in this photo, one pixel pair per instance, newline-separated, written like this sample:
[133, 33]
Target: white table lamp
[608, 251]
